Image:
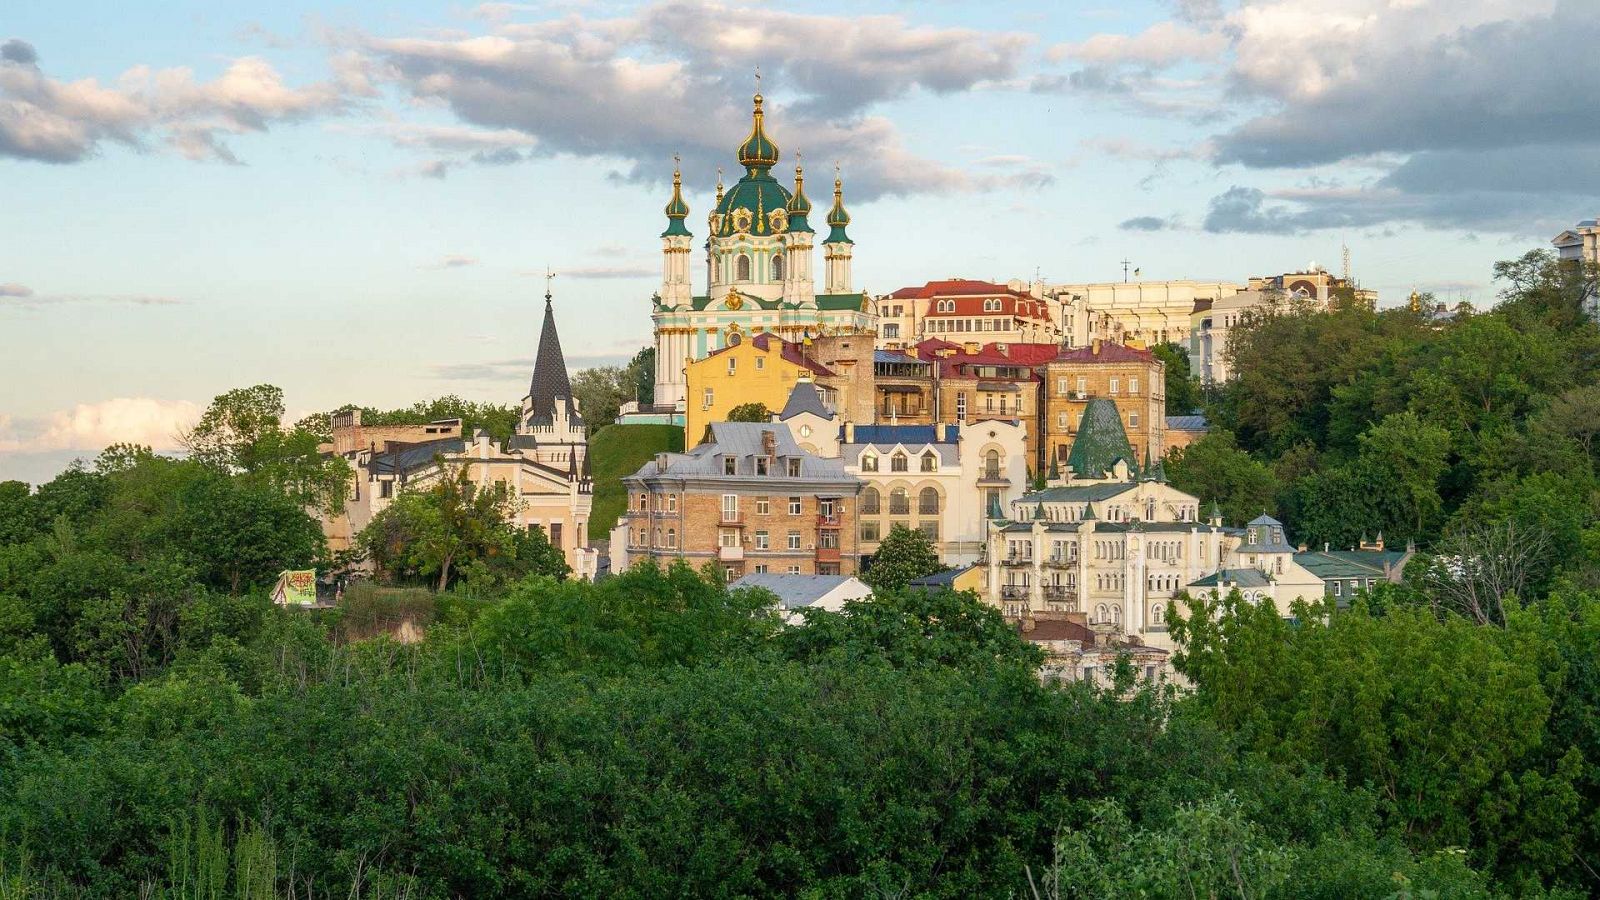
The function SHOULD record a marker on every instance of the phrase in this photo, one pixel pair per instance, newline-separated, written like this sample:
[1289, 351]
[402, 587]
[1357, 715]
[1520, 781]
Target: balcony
[1020, 561]
[1060, 592]
[1062, 562]
[1013, 592]
[732, 520]
[827, 554]
[730, 554]
[828, 521]
[992, 475]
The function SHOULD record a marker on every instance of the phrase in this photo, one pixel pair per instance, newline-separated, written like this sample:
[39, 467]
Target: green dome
[759, 195]
[799, 207]
[758, 151]
[838, 218]
[676, 210]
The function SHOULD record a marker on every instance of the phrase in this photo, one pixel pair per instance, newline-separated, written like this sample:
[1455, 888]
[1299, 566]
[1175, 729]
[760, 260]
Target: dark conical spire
[1101, 441]
[550, 382]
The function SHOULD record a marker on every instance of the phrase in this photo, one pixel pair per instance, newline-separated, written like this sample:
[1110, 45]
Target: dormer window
[730, 465]
[899, 463]
[869, 462]
[794, 468]
[930, 462]
[761, 465]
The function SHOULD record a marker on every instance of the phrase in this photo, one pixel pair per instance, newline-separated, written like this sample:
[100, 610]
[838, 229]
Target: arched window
[869, 501]
[741, 268]
[928, 502]
[1158, 614]
[672, 538]
[1116, 614]
[777, 267]
[899, 502]
[930, 462]
[1102, 614]
[991, 464]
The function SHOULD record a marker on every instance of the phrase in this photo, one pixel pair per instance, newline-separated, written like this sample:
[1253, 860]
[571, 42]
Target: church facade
[759, 272]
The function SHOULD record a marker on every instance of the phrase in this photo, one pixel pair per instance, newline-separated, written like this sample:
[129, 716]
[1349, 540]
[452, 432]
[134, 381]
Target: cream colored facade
[941, 480]
[1148, 312]
[1210, 327]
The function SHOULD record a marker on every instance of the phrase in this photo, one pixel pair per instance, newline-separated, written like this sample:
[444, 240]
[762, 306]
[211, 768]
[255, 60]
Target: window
[730, 507]
[870, 499]
[707, 399]
[385, 489]
[794, 468]
[672, 538]
[741, 268]
[1113, 386]
[672, 503]
[961, 407]
[727, 537]
[897, 463]
[869, 531]
[930, 462]
[794, 570]
[730, 572]
[1133, 385]
[794, 540]
[644, 503]
[825, 508]
[869, 462]
[1336, 589]
[794, 506]
[929, 529]
[761, 363]
[1133, 420]
[891, 330]
[1061, 386]
[991, 464]
[762, 540]
[555, 534]
[730, 466]
[761, 568]
[733, 365]
[761, 465]
[1158, 614]
[777, 267]
[1082, 385]
[928, 502]
[1061, 421]
[763, 506]
[899, 502]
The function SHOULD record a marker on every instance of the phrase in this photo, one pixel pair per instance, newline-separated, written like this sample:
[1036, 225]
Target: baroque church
[759, 274]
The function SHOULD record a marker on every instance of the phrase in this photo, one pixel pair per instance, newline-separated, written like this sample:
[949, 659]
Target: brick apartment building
[749, 500]
[1132, 378]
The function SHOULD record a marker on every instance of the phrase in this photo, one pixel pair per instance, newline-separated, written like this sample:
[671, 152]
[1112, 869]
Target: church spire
[676, 210]
[550, 385]
[838, 218]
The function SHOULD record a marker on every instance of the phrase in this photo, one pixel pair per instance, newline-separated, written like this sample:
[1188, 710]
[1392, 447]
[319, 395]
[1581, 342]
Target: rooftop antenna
[1125, 264]
[1345, 250]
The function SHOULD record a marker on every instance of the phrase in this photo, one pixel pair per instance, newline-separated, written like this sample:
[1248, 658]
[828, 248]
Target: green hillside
[617, 451]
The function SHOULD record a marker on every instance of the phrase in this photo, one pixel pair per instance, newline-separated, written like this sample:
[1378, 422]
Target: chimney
[1095, 347]
[769, 444]
[1028, 624]
[849, 432]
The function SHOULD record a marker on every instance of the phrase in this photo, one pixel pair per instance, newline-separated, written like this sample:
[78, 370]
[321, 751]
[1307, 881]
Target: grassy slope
[618, 451]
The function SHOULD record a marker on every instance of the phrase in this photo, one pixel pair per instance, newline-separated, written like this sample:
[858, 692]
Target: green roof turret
[758, 151]
[838, 218]
[676, 210]
[799, 206]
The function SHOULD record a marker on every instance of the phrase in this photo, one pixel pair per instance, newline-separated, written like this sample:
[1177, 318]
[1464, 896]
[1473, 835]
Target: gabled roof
[743, 441]
[403, 459]
[1271, 536]
[1085, 493]
[1240, 577]
[955, 287]
[788, 350]
[550, 384]
[1328, 564]
[1108, 353]
[1187, 423]
[799, 591]
[805, 399]
[944, 579]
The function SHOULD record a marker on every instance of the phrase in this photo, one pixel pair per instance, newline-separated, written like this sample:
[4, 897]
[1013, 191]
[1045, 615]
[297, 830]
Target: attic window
[794, 468]
[730, 465]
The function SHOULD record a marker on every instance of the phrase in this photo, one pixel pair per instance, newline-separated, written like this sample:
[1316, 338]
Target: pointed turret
[799, 206]
[836, 249]
[676, 210]
[838, 217]
[550, 391]
[1101, 443]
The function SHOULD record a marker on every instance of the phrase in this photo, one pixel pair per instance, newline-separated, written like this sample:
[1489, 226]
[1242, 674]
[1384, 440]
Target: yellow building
[762, 370]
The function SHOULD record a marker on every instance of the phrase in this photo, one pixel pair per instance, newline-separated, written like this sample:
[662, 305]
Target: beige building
[748, 500]
[1212, 323]
[942, 480]
[1132, 378]
[1123, 312]
[1580, 245]
[545, 463]
[1074, 650]
[962, 310]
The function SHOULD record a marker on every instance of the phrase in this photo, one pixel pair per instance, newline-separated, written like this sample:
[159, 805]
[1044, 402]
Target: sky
[358, 202]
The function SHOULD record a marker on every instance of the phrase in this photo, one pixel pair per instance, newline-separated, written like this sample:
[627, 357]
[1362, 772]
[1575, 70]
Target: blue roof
[805, 399]
[902, 434]
[1187, 423]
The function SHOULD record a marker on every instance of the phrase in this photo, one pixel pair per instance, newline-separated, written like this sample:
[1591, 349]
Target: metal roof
[796, 591]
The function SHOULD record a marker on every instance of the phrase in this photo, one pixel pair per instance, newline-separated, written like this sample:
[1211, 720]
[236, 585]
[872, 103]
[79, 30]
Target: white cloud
[452, 261]
[94, 426]
[1162, 44]
[12, 289]
[65, 122]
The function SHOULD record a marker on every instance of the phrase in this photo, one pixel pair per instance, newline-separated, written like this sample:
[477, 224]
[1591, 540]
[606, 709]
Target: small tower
[836, 249]
[551, 423]
[676, 243]
[799, 286]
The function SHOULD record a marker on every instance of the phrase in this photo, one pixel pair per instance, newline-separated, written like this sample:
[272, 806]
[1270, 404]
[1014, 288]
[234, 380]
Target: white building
[943, 480]
[1581, 244]
[1211, 324]
[799, 592]
[1152, 312]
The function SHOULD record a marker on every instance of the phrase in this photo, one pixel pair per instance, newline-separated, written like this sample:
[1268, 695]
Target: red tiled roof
[955, 287]
[1023, 355]
[1109, 353]
[1057, 630]
[788, 350]
[1026, 307]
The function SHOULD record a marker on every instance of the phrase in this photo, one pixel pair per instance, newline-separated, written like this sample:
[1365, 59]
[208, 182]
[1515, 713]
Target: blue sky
[354, 202]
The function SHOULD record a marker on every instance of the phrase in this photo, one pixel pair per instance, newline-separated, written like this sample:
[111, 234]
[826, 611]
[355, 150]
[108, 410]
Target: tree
[1183, 388]
[430, 532]
[642, 371]
[1415, 454]
[1475, 569]
[499, 420]
[601, 391]
[750, 412]
[1215, 469]
[903, 555]
[19, 514]
[242, 432]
